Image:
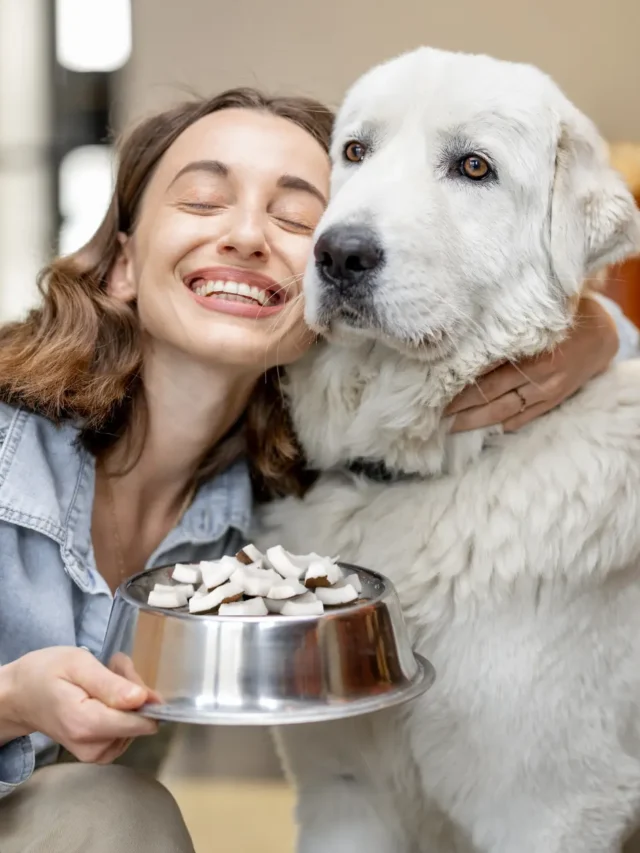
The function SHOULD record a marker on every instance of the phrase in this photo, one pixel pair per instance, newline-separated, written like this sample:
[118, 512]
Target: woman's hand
[514, 394]
[75, 700]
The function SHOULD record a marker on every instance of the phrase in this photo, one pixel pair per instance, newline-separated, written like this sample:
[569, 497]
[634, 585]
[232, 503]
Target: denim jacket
[50, 590]
[51, 593]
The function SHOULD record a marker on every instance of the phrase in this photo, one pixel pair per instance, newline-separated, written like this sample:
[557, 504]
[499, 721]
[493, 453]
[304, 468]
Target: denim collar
[47, 484]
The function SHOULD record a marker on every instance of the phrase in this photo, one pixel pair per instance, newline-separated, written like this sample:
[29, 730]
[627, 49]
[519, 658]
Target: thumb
[100, 683]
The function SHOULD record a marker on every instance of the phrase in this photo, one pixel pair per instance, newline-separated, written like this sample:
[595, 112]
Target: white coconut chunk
[284, 563]
[186, 574]
[297, 607]
[185, 588]
[219, 595]
[252, 607]
[253, 554]
[202, 590]
[333, 595]
[275, 605]
[323, 572]
[352, 579]
[307, 598]
[217, 572]
[285, 589]
[254, 580]
[166, 600]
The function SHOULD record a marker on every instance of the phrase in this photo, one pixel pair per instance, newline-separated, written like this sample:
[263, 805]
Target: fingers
[529, 414]
[94, 721]
[500, 381]
[122, 665]
[98, 682]
[508, 406]
[112, 751]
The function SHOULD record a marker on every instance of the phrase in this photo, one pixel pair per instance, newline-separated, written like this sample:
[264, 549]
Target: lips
[236, 285]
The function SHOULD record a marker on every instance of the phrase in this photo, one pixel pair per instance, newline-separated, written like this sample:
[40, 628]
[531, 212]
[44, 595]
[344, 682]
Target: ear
[122, 282]
[594, 218]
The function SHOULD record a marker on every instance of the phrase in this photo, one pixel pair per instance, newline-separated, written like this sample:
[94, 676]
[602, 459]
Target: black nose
[346, 253]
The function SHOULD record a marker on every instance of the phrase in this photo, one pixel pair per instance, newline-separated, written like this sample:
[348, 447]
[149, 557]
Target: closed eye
[296, 226]
[203, 206]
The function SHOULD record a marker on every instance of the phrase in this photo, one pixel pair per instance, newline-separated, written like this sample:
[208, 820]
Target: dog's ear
[594, 218]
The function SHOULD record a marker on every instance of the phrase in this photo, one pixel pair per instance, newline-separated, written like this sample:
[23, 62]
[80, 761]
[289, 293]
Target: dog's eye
[354, 151]
[474, 167]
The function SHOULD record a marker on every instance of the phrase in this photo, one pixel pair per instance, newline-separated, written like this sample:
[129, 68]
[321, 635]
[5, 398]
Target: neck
[372, 403]
[187, 410]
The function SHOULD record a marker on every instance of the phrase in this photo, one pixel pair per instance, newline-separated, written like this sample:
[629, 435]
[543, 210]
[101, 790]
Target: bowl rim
[271, 618]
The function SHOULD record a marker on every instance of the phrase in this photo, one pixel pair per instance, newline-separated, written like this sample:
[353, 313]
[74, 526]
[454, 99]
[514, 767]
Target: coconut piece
[185, 588]
[244, 558]
[166, 600]
[306, 598]
[297, 607]
[252, 607]
[220, 595]
[322, 573]
[250, 554]
[254, 580]
[202, 590]
[183, 573]
[217, 572]
[286, 564]
[285, 589]
[352, 579]
[336, 594]
[275, 605]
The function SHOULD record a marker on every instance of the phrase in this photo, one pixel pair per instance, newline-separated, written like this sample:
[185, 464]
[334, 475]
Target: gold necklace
[123, 572]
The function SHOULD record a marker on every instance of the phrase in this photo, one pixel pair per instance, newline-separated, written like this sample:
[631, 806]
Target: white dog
[470, 203]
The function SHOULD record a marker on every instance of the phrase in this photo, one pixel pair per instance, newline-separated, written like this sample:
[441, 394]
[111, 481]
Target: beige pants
[84, 808]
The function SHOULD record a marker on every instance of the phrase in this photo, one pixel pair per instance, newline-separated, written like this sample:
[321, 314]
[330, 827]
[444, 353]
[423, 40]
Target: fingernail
[133, 692]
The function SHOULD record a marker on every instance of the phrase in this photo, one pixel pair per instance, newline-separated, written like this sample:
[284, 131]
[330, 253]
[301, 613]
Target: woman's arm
[515, 394]
[628, 333]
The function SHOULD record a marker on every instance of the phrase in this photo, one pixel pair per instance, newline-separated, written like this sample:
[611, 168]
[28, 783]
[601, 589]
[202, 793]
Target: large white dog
[470, 203]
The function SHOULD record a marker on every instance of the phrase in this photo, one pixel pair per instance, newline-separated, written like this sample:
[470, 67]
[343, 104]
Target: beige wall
[318, 48]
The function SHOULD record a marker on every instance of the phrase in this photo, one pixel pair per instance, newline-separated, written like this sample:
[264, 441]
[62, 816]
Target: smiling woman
[140, 413]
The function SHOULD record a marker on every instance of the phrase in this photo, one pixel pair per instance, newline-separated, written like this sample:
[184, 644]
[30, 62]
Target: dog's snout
[347, 253]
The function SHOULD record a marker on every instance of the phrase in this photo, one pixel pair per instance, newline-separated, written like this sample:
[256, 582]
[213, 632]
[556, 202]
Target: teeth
[234, 289]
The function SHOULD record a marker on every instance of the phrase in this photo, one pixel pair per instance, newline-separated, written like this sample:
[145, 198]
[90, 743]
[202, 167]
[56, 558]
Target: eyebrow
[221, 170]
[291, 182]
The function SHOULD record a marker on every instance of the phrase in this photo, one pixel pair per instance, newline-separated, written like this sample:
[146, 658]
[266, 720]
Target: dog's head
[471, 201]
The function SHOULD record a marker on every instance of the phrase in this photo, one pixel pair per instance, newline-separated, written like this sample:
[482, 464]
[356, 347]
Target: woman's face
[222, 240]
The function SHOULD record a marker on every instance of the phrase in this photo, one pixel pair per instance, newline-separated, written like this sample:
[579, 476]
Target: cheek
[297, 251]
[169, 241]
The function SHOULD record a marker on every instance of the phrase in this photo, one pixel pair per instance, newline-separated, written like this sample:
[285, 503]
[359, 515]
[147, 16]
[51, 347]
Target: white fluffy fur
[516, 557]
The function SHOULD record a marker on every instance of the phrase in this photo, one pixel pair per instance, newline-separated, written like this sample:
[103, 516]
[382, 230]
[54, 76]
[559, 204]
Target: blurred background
[74, 72]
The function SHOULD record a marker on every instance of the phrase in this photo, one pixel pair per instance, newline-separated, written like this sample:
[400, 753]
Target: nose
[245, 237]
[347, 253]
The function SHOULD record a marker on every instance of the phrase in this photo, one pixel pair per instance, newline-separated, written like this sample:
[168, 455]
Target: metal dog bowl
[268, 670]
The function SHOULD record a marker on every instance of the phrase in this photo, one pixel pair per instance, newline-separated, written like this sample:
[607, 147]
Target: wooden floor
[230, 789]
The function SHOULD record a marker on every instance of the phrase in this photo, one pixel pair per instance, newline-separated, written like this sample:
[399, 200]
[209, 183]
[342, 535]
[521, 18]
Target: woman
[139, 414]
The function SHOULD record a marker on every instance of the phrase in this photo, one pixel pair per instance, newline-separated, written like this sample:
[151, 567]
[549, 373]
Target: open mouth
[270, 296]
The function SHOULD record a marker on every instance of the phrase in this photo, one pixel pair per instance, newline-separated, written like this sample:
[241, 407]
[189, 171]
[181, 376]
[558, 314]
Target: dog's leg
[345, 802]
[343, 816]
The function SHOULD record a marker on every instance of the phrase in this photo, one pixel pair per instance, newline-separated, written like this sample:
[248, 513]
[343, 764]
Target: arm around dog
[515, 394]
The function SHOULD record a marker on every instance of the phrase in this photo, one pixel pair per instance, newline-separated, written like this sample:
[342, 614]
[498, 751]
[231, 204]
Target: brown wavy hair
[78, 355]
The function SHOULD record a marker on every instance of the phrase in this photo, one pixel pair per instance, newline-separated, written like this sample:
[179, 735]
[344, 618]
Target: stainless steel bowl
[269, 670]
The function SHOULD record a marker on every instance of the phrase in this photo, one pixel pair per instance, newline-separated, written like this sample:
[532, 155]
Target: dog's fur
[516, 557]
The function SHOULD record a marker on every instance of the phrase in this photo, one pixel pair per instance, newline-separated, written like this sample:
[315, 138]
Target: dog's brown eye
[354, 152]
[475, 167]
